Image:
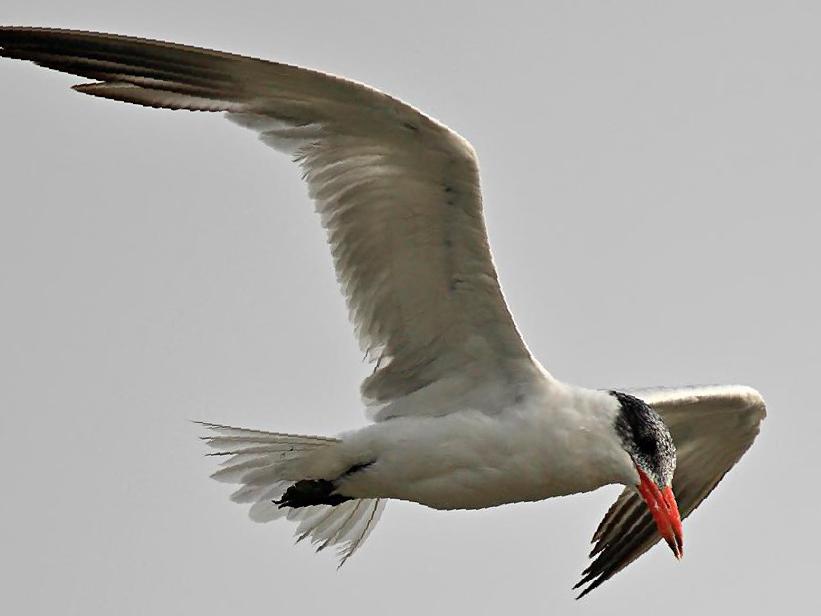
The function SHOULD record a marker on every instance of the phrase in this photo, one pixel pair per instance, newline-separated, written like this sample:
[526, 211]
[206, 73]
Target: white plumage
[465, 416]
[266, 463]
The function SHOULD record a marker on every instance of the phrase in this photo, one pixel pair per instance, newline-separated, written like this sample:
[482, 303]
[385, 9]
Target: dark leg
[311, 492]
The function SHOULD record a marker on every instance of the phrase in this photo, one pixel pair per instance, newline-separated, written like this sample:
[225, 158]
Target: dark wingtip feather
[587, 590]
[142, 71]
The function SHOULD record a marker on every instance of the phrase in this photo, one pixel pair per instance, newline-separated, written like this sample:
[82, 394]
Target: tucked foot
[310, 492]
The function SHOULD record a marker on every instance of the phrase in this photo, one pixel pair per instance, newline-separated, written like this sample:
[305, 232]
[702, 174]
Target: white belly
[471, 460]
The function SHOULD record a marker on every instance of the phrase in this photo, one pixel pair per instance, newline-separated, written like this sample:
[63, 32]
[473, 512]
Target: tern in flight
[464, 415]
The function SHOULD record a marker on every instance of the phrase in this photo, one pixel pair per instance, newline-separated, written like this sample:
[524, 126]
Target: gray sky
[651, 179]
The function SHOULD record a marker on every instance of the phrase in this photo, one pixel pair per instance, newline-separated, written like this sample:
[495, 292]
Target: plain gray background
[651, 180]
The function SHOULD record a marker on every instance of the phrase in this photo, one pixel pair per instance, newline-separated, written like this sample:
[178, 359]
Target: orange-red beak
[662, 504]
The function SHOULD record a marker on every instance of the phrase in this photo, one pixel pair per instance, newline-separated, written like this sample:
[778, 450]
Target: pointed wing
[397, 192]
[712, 427]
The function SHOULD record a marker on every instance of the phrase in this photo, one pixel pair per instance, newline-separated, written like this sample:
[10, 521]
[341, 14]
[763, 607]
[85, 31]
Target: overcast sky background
[652, 178]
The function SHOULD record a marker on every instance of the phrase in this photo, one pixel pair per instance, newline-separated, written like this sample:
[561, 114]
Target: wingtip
[583, 593]
[592, 584]
[596, 549]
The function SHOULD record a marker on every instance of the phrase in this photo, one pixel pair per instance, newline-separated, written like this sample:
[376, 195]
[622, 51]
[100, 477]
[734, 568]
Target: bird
[463, 416]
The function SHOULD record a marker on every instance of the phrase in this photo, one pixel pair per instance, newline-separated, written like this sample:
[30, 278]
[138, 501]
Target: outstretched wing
[712, 427]
[397, 192]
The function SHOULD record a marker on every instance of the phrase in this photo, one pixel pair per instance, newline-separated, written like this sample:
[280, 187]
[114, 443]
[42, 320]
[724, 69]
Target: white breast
[554, 442]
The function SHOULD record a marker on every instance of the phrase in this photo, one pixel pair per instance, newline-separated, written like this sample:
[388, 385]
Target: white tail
[266, 464]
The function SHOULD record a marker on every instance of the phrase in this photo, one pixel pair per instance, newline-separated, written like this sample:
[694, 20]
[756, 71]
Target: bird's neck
[578, 425]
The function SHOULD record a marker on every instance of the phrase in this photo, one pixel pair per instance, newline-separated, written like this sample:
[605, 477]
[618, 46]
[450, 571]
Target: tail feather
[266, 464]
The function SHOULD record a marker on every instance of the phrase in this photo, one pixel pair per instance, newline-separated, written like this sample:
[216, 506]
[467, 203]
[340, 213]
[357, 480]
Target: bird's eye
[647, 444]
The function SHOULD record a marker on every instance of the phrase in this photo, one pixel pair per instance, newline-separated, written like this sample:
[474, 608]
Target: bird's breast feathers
[545, 446]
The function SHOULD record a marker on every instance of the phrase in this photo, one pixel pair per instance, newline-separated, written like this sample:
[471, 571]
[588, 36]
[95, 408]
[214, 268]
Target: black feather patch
[646, 438]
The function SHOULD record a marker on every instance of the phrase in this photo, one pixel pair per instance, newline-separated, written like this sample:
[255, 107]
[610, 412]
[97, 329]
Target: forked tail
[267, 464]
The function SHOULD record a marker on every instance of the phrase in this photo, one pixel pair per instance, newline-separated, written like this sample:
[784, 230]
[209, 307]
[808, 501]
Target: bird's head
[647, 441]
